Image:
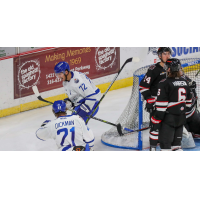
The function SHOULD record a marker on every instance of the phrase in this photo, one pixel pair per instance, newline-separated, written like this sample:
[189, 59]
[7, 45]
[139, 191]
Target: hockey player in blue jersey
[69, 131]
[82, 94]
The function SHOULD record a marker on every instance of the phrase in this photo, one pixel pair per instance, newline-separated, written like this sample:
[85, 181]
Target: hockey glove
[155, 124]
[83, 111]
[78, 148]
[192, 85]
[150, 104]
[69, 103]
[45, 123]
[81, 148]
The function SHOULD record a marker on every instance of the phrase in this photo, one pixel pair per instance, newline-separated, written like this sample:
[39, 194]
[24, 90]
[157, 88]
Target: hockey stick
[127, 61]
[197, 73]
[119, 127]
[37, 94]
[142, 129]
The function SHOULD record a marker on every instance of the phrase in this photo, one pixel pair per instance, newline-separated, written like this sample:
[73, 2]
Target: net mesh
[130, 116]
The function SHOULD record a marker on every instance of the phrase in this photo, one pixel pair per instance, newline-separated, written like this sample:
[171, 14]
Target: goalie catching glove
[150, 104]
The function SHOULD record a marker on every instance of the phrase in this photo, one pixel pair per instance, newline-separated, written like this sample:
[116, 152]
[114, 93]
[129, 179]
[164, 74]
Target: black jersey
[191, 110]
[149, 84]
[173, 97]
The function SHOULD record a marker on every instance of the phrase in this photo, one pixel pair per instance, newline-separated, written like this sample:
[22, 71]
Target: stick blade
[119, 129]
[35, 90]
[136, 59]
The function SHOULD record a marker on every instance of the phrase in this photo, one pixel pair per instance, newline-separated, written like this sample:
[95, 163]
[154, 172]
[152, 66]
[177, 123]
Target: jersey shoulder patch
[163, 80]
[152, 67]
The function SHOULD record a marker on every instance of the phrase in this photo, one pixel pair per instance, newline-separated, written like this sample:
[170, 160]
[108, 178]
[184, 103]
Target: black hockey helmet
[164, 49]
[174, 64]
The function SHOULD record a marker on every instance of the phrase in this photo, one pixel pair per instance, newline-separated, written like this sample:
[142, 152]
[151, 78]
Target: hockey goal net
[135, 116]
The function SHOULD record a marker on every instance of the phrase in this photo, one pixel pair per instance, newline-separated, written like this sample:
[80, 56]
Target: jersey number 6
[181, 94]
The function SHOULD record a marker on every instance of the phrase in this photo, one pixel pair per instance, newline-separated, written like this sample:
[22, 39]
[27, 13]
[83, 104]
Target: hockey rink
[17, 132]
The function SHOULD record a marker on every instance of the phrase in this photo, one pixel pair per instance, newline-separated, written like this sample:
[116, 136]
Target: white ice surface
[17, 132]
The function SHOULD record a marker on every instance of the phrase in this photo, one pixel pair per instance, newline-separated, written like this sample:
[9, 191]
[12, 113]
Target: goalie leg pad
[187, 141]
[194, 123]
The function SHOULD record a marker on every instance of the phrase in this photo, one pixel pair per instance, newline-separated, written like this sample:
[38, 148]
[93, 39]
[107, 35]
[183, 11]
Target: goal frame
[185, 63]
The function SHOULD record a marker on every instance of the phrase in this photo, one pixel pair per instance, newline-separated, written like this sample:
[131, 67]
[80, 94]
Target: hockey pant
[170, 136]
[193, 123]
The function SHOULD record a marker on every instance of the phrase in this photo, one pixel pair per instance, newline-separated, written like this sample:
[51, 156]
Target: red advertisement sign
[38, 68]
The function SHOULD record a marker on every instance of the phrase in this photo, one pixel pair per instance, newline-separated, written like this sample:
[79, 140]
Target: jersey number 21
[65, 130]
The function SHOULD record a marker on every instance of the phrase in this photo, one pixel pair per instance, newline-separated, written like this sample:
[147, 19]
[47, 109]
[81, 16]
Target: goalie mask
[173, 64]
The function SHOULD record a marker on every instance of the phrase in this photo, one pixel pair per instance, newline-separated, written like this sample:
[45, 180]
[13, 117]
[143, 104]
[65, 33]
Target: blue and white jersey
[68, 131]
[81, 89]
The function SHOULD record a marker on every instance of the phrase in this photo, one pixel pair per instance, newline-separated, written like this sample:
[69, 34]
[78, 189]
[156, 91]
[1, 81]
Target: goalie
[192, 114]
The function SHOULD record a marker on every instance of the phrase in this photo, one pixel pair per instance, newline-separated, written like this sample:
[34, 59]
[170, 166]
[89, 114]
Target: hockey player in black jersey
[192, 115]
[148, 87]
[173, 97]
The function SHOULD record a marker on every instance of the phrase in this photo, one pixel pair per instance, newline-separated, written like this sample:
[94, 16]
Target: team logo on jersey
[162, 80]
[76, 80]
[152, 67]
[162, 73]
[182, 108]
